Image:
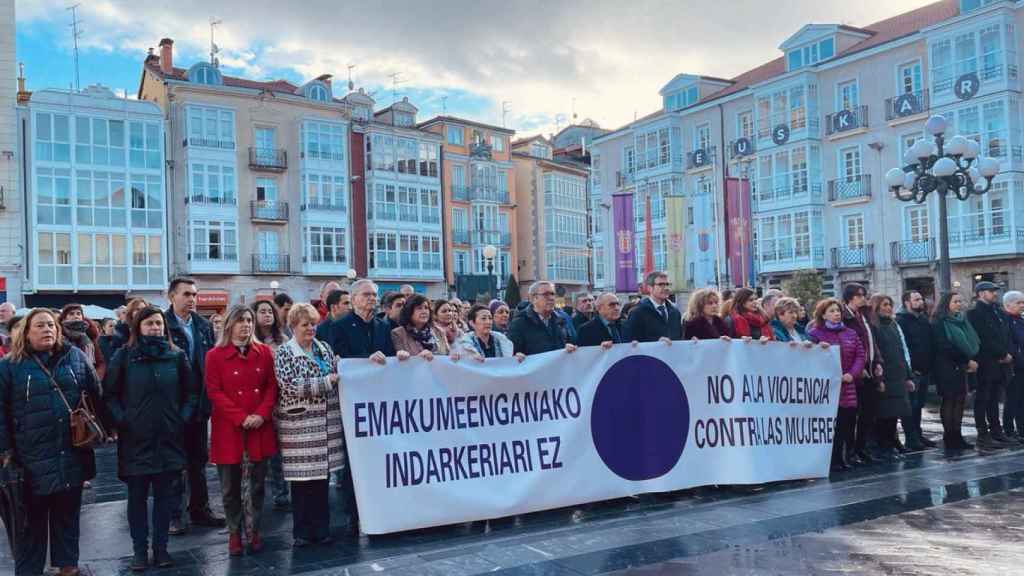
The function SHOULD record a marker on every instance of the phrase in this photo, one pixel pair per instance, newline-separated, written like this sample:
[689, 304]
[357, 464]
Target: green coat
[895, 401]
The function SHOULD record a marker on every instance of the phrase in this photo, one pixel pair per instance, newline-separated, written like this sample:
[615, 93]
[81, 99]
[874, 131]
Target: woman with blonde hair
[309, 422]
[702, 319]
[41, 381]
[242, 388]
[786, 324]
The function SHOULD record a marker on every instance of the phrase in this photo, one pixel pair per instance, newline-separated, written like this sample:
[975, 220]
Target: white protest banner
[441, 442]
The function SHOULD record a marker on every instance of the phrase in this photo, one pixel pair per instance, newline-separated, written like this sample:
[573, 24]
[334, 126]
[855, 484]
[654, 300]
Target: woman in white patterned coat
[309, 423]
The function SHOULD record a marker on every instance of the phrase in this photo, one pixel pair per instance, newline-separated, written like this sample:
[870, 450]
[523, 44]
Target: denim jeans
[138, 504]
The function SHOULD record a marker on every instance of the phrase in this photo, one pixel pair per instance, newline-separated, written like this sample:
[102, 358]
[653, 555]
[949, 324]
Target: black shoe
[162, 559]
[985, 441]
[178, 527]
[140, 561]
[839, 467]
[901, 448]
[927, 442]
[300, 543]
[325, 541]
[915, 446]
[865, 457]
[208, 519]
[1001, 438]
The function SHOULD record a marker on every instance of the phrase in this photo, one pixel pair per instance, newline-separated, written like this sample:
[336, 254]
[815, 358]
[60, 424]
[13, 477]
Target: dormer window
[204, 73]
[319, 92]
[403, 119]
[970, 5]
[538, 150]
[361, 113]
[681, 98]
[811, 54]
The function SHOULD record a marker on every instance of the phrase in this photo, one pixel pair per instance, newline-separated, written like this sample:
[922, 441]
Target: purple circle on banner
[640, 418]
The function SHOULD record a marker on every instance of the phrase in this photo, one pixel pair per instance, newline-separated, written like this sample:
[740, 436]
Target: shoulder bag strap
[53, 382]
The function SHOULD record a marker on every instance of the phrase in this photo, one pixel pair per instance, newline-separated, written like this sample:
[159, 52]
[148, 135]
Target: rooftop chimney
[167, 56]
[23, 95]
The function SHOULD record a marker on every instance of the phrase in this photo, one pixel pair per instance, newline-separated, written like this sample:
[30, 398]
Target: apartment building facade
[552, 205]
[403, 238]
[806, 138]
[480, 197]
[259, 179]
[97, 211]
[12, 226]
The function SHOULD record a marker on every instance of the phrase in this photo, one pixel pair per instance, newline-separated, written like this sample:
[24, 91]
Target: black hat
[985, 286]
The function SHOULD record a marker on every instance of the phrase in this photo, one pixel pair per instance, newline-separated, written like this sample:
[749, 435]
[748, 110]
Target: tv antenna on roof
[351, 84]
[506, 107]
[395, 81]
[444, 105]
[574, 110]
[214, 50]
[76, 33]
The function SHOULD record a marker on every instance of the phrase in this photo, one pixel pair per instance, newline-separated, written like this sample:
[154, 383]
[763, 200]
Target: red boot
[255, 542]
[235, 544]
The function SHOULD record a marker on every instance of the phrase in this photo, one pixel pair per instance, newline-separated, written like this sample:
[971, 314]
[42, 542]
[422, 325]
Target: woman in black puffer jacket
[35, 433]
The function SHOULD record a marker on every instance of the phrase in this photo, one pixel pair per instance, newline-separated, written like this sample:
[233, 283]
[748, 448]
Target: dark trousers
[138, 504]
[912, 421]
[311, 515]
[53, 519]
[842, 439]
[1013, 410]
[868, 398]
[986, 400]
[237, 506]
[952, 413]
[885, 433]
[196, 441]
[278, 485]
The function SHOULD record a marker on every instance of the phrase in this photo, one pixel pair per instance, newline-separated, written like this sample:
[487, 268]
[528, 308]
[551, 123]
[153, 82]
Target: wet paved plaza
[933, 512]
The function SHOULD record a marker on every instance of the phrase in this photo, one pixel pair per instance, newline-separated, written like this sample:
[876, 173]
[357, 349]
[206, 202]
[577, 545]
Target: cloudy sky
[610, 57]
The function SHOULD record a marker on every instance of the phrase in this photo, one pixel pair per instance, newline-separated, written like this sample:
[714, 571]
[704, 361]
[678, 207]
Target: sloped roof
[283, 86]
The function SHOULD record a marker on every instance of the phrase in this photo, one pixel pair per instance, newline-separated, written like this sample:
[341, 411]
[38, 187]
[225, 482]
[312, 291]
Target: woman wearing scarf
[747, 319]
[500, 315]
[894, 396]
[482, 342]
[445, 322]
[828, 328]
[416, 335]
[150, 393]
[955, 344]
[242, 388]
[81, 333]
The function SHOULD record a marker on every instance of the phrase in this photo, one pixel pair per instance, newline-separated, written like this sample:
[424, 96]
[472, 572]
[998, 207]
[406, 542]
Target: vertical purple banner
[625, 247]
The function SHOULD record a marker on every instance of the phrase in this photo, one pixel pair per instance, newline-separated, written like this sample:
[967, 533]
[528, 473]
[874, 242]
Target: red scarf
[743, 324]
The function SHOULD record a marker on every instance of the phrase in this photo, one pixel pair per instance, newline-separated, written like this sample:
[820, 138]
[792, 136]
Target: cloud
[611, 56]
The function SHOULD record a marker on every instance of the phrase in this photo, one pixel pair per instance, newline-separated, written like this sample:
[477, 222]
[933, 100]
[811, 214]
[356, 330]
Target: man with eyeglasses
[538, 329]
[607, 329]
[655, 318]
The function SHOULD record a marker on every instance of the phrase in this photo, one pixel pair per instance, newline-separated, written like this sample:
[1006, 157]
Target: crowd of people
[255, 390]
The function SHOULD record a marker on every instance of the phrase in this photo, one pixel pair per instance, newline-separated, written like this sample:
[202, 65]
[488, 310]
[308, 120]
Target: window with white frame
[461, 258]
[99, 198]
[266, 190]
[430, 248]
[385, 203]
[498, 143]
[459, 221]
[53, 195]
[53, 137]
[995, 142]
[907, 141]
[702, 137]
[147, 262]
[847, 95]
[409, 251]
[629, 159]
[408, 204]
[99, 141]
[456, 136]
[383, 250]
[428, 159]
[745, 124]
[212, 184]
[853, 231]
[323, 141]
[146, 201]
[909, 76]
[102, 259]
[767, 225]
[326, 245]
[402, 119]
[144, 145]
[210, 127]
[54, 258]
[599, 265]
[784, 235]
[430, 206]
[983, 51]
[324, 191]
[916, 227]
[790, 106]
[802, 235]
[214, 240]
[811, 54]
[849, 163]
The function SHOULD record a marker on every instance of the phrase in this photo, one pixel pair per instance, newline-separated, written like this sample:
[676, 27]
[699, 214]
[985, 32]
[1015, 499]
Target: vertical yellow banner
[675, 216]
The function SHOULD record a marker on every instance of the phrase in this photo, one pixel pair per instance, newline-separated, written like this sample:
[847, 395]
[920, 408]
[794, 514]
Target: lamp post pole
[490, 252]
[954, 167]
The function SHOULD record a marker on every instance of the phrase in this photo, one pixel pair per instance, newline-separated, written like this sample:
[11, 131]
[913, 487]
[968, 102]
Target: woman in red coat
[242, 388]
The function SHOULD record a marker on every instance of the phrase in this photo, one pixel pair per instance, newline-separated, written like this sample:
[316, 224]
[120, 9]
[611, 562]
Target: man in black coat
[359, 334]
[655, 318]
[607, 328]
[855, 300]
[338, 303]
[193, 334]
[538, 329]
[584, 311]
[917, 331]
[994, 362]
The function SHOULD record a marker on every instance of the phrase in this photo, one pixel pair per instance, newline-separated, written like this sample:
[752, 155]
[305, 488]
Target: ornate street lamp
[489, 253]
[942, 167]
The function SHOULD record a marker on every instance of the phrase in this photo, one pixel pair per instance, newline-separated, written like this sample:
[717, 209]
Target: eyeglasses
[662, 284]
[546, 294]
[615, 304]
